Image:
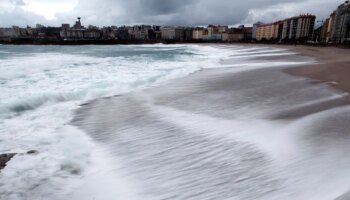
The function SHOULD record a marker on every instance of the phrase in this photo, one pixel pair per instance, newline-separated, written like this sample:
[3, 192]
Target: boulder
[4, 158]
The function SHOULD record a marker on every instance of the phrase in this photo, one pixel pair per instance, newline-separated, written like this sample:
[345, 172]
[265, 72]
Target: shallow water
[246, 131]
[228, 135]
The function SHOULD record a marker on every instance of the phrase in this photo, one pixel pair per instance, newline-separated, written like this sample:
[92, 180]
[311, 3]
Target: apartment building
[340, 32]
[268, 31]
[295, 28]
[173, 33]
[199, 33]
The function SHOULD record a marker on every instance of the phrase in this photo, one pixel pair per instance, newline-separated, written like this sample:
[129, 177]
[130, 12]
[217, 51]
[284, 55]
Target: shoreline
[197, 112]
[206, 112]
[40, 42]
[333, 66]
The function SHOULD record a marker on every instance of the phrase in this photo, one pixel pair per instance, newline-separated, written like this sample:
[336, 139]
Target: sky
[161, 12]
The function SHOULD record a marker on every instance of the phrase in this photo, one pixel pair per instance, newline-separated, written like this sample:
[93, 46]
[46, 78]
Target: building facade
[173, 33]
[340, 32]
[236, 35]
[199, 33]
[215, 32]
[330, 29]
[291, 29]
[298, 28]
[255, 26]
[267, 31]
[324, 31]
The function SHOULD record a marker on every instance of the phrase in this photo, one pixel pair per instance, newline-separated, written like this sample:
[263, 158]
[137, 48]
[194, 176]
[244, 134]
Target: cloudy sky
[162, 12]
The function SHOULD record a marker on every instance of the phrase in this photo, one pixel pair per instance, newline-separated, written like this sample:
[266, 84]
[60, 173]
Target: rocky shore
[5, 158]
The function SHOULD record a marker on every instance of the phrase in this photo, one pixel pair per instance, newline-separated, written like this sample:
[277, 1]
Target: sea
[57, 101]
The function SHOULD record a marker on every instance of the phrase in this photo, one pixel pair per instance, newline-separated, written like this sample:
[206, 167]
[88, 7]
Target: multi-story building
[324, 30]
[179, 33]
[107, 33]
[31, 32]
[168, 33]
[236, 35]
[215, 32]
[222, 29]
[331, 27]
[199, 33]
[79, 32]
[155, 33]
[173, 33]
[248, 33]
[188, 34]
[292, 26]
[305, 27]
[13, 32]
[72, 33]
[295, 28]
[138, 33]
[50, 33]
[317, 34]
[341, 23]
[92, 33]
[224, 36]
[122, 33]
[298, 28]
[268, 31]
[255, 26]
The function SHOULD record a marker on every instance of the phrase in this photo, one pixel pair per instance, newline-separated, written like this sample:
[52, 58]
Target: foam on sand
[42, 86]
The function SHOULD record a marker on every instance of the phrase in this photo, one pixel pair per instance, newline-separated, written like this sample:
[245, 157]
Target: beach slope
[248, 131]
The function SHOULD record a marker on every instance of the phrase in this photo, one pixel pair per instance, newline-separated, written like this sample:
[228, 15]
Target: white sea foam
[281, 142]
[41, 89]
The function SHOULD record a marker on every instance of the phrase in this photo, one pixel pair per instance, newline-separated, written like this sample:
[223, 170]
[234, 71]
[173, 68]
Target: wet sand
[333, 66]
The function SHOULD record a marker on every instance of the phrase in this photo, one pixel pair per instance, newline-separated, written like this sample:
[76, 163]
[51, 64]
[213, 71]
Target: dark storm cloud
[200, 12]
[156, 7]
[193, 11]
[189, 12]
[173, 12]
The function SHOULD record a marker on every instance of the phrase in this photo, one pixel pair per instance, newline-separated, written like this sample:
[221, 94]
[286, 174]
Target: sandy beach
[247, 131]
[174, 100]
[245, 122]
[333, 66]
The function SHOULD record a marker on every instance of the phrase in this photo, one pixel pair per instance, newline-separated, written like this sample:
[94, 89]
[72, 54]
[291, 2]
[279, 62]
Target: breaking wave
[41, 86]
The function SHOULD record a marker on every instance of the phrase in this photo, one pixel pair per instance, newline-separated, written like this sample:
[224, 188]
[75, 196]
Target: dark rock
[4, 158]
[33, 152]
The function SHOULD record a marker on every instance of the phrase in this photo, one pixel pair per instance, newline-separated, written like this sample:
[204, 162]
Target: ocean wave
[42, 86]
[32, 103]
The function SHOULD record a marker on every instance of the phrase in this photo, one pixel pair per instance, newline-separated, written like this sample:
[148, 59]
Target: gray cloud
[18, 2]
[184, 12]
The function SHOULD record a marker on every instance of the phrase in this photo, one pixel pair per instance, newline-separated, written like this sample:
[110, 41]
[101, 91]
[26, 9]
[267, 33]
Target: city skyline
[169, 12]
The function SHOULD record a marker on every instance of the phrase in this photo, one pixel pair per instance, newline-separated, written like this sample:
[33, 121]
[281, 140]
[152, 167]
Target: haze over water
[239, 129]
